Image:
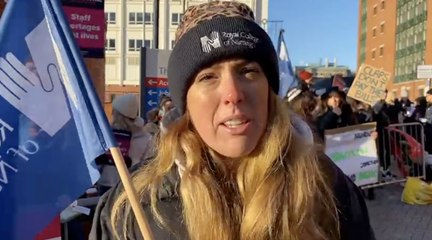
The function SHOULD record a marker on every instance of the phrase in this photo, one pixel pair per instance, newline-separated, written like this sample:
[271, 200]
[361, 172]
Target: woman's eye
[206, 77]
[247, 70]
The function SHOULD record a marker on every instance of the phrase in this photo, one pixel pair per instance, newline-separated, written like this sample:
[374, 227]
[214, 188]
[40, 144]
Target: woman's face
[228, 105]
[334, 101]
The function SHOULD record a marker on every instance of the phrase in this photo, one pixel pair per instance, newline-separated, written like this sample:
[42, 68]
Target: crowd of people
[224, 157]
[334, 109]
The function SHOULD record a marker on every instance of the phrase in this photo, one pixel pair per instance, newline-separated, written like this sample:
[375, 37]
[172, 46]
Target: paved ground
[392, 219]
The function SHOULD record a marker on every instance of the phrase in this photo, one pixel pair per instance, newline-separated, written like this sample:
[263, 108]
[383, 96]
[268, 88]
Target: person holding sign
[236, 164]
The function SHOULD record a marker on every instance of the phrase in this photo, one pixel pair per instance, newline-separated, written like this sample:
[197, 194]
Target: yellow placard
[369, 84]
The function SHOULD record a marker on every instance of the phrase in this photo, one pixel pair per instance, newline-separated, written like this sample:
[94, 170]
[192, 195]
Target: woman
[306, 105]
[362, 111]
[336, 112]
[235, 164]
[303, 103]
[152, 125]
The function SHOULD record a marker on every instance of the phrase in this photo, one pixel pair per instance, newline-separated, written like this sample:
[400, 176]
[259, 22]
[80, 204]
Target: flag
[52, 125]
[286, 79]
[338, 82]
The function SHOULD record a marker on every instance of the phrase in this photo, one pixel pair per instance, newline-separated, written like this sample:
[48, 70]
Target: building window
[110, 45]
[382, 28]
[133, 61]
[374, 32]
[381, 52]
[110, 60]
[110, 17]
[375, 10]
[176, 18]
[148, 18]
[135, 45]
[373, 54]
[382, 5]
[147, 43]
[135, 18]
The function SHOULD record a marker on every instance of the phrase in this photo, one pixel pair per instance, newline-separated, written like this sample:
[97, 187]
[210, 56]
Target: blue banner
[52, 125]
[287, 79]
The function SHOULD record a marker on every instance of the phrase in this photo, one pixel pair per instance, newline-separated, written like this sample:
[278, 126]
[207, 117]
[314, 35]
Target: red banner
[87, 21]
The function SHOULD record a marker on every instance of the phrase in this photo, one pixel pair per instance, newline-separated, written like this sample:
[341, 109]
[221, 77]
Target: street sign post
[154, 79]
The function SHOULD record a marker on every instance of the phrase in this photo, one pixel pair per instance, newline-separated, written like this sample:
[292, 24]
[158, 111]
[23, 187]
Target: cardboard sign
[369, 85]
[354, 151]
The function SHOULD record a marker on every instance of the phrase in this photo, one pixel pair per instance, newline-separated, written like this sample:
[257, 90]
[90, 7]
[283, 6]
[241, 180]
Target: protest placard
[354, 151]
[369, 85]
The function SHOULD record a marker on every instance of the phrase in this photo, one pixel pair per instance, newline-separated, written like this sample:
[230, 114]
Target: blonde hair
[279, 191]
[304, 105]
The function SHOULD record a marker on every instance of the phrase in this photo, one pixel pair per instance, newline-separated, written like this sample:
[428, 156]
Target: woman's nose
[232, 89]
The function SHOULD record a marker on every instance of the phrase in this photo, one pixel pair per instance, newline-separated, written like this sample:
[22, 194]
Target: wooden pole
[132, 194]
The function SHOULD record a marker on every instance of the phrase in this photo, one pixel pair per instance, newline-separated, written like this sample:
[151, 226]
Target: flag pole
[131, 194]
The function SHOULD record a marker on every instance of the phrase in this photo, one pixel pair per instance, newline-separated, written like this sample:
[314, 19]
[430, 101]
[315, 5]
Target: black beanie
[223, 30]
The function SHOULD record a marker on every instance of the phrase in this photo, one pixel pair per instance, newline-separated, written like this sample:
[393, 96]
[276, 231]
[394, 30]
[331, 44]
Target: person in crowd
[335, 112]
[236, 164]
[305, 104]
[152, 125]
[134, 143]
[428, 114]
[405, 102]
[428, 122]
[380, 116]
[169, 118]
[362, 111]
[393, 109]
[165, 104]
[306, 80]
[419, 111]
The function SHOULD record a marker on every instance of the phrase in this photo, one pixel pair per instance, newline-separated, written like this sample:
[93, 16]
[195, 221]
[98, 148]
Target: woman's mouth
[234, 123]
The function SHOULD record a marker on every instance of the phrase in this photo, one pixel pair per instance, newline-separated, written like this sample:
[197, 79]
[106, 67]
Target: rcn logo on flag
[37, 82]
[52, 125]
[35, 89]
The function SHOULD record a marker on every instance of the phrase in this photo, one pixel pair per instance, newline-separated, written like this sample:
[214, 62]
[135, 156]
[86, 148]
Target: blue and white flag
[286, 79]
[52, 125]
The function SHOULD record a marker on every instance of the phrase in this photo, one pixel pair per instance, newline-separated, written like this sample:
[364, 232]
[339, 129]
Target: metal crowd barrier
[401, 153]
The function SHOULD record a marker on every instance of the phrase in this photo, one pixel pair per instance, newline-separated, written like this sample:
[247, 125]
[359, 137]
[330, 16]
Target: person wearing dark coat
[336, 112]
[236, 164]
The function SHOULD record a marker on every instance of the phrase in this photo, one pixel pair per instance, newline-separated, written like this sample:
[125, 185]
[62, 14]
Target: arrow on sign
[151, 103]
[151, 92]
[164, 92]
[152, 82]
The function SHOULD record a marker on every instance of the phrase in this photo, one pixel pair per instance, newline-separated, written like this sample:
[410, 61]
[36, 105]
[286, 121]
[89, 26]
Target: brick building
[392, 36]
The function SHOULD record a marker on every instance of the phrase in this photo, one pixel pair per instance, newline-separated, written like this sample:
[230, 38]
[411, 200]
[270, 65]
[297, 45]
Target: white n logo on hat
[208, 43]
